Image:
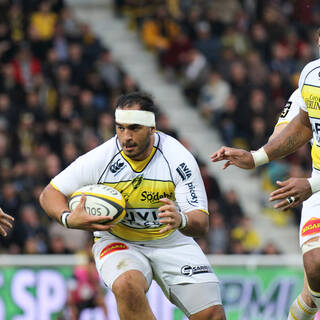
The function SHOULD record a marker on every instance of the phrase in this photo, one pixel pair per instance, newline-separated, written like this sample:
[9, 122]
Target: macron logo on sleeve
[184, 172]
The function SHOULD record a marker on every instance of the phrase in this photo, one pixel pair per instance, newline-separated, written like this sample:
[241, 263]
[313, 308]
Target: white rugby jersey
[309, 95]
[291, 109]
[170, 171]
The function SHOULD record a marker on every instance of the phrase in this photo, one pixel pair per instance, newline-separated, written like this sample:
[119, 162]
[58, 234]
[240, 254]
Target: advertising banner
[261, 293]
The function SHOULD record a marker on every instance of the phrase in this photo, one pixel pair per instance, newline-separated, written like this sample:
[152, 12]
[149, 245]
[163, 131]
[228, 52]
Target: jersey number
[286, 109]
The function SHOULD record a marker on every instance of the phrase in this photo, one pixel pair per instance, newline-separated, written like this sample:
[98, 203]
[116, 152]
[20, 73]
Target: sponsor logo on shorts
[154, 197]
[193, 199]
[184, 172]
[311, 227]
[112, 247]
[191, 270]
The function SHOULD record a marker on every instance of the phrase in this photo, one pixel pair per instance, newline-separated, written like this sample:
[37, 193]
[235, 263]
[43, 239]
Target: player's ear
[152, 130]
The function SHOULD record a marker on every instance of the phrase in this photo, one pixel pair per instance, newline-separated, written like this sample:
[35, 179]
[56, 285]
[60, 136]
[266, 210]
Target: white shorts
[176, 259]
[310, 219]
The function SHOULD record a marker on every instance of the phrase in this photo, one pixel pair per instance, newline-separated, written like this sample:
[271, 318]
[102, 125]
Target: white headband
[144, 118]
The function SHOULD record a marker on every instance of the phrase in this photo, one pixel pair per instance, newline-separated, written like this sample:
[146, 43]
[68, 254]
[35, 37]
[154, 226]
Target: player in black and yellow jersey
[166, 207]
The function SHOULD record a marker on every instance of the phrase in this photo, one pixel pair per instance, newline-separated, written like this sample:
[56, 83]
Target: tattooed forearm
[288, 146]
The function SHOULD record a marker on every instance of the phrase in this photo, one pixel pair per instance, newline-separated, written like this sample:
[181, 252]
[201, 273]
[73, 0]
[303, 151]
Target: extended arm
[293, 136]
[55, 203]
[5, 222]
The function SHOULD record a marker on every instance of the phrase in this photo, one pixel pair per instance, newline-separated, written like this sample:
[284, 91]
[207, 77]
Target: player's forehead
[134, 106]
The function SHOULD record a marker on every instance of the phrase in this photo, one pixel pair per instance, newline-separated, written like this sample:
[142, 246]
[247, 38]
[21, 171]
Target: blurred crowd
[58, 84]
[57, 87]
[237, 62]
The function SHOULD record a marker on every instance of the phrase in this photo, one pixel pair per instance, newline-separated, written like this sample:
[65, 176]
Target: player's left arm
[189, 212]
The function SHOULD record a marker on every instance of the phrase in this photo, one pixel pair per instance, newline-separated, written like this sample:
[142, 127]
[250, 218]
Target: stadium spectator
[245, 234]
[213, 96]
[218, 234]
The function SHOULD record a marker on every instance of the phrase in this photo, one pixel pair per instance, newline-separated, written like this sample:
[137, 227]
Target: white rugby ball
[101, 200]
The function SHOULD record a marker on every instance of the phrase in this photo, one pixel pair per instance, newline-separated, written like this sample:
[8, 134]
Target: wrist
[184, 221]
[314, 183]
[64, 218]
[260, 157]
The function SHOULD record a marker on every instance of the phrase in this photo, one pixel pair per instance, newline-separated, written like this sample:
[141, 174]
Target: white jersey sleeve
[85, 170]
[291, 109]
[309, 77]
[190, 193]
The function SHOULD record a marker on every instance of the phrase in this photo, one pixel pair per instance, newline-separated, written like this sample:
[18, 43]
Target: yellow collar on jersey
[139, 165]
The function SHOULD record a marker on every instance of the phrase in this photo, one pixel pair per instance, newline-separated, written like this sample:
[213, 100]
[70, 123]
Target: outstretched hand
[238, 157]
[5, 223]
[79, 218]
[299, 188]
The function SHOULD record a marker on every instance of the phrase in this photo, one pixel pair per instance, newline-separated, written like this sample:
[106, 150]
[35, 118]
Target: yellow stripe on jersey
[54, 186]
[311, 97]
[282, 122]
[136, 165]
[145, 193]
[131, 234]
[143, 199]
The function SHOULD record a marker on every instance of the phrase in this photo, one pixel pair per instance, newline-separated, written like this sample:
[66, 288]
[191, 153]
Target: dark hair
[141, 99]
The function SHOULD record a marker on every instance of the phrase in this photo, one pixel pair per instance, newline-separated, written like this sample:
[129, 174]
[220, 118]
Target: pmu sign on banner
[260, 294]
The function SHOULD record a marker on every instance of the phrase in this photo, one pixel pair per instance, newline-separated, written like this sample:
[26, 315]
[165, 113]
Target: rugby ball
[101, 200]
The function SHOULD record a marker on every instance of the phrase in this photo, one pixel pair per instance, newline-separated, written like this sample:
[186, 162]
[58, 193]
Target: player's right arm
[295, 134]
[83, 171]
[54, 203]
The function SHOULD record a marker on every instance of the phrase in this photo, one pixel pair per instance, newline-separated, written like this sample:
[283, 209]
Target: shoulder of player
[173, 150]
[311, 66]
[105, 150]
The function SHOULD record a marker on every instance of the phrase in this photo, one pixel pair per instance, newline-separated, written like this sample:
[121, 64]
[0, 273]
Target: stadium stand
[148, 73]
[59, 80]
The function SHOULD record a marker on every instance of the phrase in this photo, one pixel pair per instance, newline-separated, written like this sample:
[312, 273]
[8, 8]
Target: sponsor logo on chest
[117, 167]
[154, 197]
[141, 218]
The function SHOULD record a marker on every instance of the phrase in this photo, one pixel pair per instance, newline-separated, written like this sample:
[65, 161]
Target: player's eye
[120, 128]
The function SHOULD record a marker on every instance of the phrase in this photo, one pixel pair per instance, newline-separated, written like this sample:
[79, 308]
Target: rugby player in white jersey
[166, 207]
[5, 223]
[295, 190]
[303, 307]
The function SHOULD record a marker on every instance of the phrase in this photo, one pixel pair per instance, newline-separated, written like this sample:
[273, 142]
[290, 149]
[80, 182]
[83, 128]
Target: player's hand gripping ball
[101, 200]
